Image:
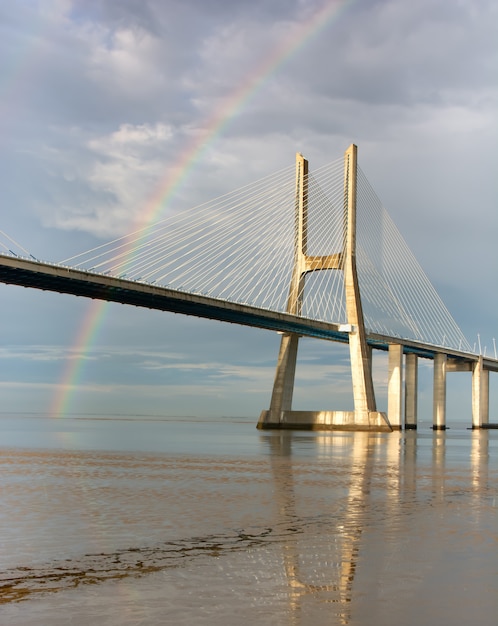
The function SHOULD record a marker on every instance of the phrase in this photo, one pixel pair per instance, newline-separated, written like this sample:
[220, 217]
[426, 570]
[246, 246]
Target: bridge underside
[58, 279]
[48, 277]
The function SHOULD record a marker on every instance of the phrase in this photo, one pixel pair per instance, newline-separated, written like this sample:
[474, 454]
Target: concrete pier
[480, 395]
[439, 392]
[394, 386]
[283, 386]
[411, 391]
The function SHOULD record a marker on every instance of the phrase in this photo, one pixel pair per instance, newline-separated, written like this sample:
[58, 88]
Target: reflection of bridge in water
[364, 529]
[325, 567]
[304, 254]
[315, 528]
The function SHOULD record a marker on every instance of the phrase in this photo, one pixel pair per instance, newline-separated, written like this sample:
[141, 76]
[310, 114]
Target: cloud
[43, 353]
[100, 100]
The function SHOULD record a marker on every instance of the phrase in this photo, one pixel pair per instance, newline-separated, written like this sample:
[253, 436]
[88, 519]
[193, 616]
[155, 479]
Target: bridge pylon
[365, 415]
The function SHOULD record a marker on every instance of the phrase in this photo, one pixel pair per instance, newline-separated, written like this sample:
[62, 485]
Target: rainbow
[213, 127]
[74, 362]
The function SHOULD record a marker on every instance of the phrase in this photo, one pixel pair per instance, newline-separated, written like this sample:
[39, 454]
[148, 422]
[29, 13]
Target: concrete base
[324, 420]
[485, 427]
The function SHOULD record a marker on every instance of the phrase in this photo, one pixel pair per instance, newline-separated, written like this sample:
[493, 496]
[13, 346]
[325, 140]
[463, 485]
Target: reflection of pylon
[338, 538]
[365, 415]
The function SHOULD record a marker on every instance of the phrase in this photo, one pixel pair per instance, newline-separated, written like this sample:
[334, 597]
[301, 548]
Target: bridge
[306, 254]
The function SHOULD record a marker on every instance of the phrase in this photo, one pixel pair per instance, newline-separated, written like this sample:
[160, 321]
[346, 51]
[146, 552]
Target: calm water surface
[139, 521]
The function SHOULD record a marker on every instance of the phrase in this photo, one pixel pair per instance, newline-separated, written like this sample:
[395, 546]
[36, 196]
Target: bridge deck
[57, 278]
[49, 277]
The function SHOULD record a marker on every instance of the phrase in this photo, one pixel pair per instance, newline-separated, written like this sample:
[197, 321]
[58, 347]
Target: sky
[115, 112]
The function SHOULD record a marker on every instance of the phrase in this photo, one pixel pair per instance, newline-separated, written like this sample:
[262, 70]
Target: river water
[121, 522]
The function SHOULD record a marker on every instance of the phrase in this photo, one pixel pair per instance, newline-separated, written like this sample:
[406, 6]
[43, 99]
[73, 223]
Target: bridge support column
[283, 386]
[394, 386]
[365, 415]
[439, 392]
[361, 372]
[411, 391]
[480, 395]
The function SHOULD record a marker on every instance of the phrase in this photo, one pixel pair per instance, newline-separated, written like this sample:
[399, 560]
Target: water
[185, 521]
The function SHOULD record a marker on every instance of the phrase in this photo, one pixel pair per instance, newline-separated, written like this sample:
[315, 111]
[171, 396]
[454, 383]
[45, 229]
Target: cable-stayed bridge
[299, 252]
